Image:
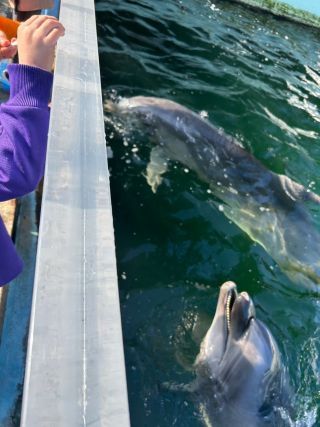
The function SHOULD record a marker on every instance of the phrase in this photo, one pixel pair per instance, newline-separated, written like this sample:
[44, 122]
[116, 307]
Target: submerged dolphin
[240, 378]
[272, 209]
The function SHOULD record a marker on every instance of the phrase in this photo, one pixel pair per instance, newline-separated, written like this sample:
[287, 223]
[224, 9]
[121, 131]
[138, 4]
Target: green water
[257, 78]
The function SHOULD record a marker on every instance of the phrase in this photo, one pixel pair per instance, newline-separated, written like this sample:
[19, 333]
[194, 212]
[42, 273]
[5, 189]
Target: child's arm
[24, 122]
[24, 119]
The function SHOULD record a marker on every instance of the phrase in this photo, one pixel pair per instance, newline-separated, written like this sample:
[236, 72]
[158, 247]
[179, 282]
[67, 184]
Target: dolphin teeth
[228, 311]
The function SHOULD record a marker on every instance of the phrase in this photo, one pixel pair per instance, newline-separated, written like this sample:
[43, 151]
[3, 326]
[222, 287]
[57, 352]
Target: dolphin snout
[243, 312]
[121, 105]
[226, 286]
[227, 295]
[110, 106]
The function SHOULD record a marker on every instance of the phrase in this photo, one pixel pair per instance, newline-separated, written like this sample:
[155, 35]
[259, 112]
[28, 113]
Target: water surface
[257, 78]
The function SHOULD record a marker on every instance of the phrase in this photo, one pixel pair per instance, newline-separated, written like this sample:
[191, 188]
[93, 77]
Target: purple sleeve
[10, 262]
[24, 122]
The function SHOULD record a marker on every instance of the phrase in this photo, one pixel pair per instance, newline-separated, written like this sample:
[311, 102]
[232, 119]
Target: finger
[33, 23]
[29, 21]
[4, 43]
[48, 26]
[37, 18]
[36, 21]
[54, 36]
[12, 51]
[3, 39]
[8, 52]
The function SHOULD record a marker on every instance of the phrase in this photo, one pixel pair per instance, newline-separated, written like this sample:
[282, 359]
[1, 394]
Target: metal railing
[75, 372]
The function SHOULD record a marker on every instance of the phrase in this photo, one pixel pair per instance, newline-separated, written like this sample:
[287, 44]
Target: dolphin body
[272, 209]
[240, 378]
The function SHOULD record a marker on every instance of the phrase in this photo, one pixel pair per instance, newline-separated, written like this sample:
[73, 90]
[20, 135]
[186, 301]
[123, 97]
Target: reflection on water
[258, 79]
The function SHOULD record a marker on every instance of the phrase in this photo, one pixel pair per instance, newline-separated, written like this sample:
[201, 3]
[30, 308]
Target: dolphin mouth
[231, 298]
[239, 311]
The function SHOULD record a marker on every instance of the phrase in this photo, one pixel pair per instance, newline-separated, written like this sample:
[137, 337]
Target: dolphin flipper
[157, 166]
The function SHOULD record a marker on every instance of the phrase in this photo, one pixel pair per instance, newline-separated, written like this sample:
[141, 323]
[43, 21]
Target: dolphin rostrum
[241, 380]
[271, 208]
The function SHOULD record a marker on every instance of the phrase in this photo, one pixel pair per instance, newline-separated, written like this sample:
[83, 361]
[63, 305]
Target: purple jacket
[24, 122]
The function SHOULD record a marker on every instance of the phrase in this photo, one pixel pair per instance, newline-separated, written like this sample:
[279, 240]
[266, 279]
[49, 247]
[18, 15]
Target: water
[257, 78]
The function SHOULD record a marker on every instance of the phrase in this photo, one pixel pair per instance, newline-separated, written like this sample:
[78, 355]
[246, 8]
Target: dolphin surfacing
[272, 209]
[241, 380]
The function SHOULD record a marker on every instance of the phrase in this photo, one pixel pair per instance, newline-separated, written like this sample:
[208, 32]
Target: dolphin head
[145, 110]
[142, 105]
[170, 125]
[239, 371]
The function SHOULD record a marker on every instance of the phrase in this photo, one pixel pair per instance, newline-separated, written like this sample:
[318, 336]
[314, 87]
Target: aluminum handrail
[75, 373]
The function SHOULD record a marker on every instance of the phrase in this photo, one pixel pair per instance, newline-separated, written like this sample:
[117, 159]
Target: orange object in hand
[9, 27]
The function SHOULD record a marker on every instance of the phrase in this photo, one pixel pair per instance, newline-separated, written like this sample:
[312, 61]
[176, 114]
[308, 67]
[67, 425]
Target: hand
[37, 38]
[6, 50]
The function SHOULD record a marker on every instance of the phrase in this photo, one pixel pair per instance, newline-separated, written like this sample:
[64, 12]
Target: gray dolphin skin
[240, 378]
[272, 209]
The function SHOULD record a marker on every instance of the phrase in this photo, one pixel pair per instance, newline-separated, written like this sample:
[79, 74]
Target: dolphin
[275, 211]
[241, 380]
